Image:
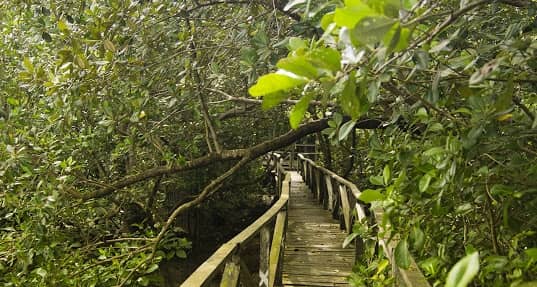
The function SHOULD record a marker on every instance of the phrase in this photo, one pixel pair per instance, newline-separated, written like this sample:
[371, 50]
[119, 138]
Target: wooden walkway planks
[313, 253]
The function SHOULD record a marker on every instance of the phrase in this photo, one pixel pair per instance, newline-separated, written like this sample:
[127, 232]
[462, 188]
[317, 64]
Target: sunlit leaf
[325, 58]
[463, 271]
[299, 110]
[298, 65]
[370, 195]
[350, 15]
[372, 29]
[424, 182]
[387, 174]
[274, 82]
[346, 129]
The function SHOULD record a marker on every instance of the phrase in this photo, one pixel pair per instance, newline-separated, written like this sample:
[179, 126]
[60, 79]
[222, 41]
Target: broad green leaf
[346, 129]
[272, 100]
[352, 102]
[531, 252]
[376, 180]
[389, 8]
[151, 268]
[373, 91]
[370, 195]
[387, 174]
[273, 82]
[464, 271]
[372, 29]
[402, 255]
[327, 19]
[350, 15]
[424, 182]
[299, 110]
[180, 253]
[296, 43]
[298, 65]
[397, 38]
[325, 58]
[417, 237]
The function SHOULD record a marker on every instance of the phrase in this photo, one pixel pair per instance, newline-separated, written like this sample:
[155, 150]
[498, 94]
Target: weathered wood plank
[345, 206]
[230, 277]
[264, 256]
[313, 252]
[276, 248]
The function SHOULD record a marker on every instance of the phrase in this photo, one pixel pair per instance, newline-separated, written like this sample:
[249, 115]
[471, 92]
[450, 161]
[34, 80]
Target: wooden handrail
[315, 175]
[227, 257]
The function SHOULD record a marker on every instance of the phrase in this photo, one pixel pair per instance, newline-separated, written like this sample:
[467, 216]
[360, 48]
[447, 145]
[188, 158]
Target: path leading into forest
[313, 254]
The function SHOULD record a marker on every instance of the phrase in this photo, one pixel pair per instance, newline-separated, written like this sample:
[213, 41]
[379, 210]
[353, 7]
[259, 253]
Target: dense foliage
[455, 163]
[117, 116]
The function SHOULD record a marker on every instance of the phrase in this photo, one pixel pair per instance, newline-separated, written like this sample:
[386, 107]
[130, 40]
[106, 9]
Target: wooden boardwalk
[313, 253]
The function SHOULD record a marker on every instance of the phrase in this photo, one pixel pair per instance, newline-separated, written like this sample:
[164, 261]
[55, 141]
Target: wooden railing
[340, 196]
[270, 227]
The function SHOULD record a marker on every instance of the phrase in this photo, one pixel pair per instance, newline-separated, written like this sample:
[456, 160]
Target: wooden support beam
[330, 192]
[230, 277]
[277, 249]
[264, 256]
[345, 206]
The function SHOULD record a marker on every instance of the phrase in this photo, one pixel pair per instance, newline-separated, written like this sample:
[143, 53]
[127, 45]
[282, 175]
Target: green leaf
[417, 238]
[464, 271]
[402, 255]
[505, 99]
[180, 253]
[27, 64]
[296, 43]
[353, 103]
[299, 110]
[349, 239]
[273, 82]
[298, 65]
[370, 195]
[397, 38]
[271, 100]
[424, 182]
[325, 58]
[151, 268]
[531, 252]
[387, 174]
[327, 19]
[372, 29]
[350, 15]
[376, 180]
[346, 129]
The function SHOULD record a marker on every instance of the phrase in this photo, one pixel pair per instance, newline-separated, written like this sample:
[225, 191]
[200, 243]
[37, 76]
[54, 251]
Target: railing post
[230, 277]
[329, 192]
[318, 187]
[264, 256]
[345, 207]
